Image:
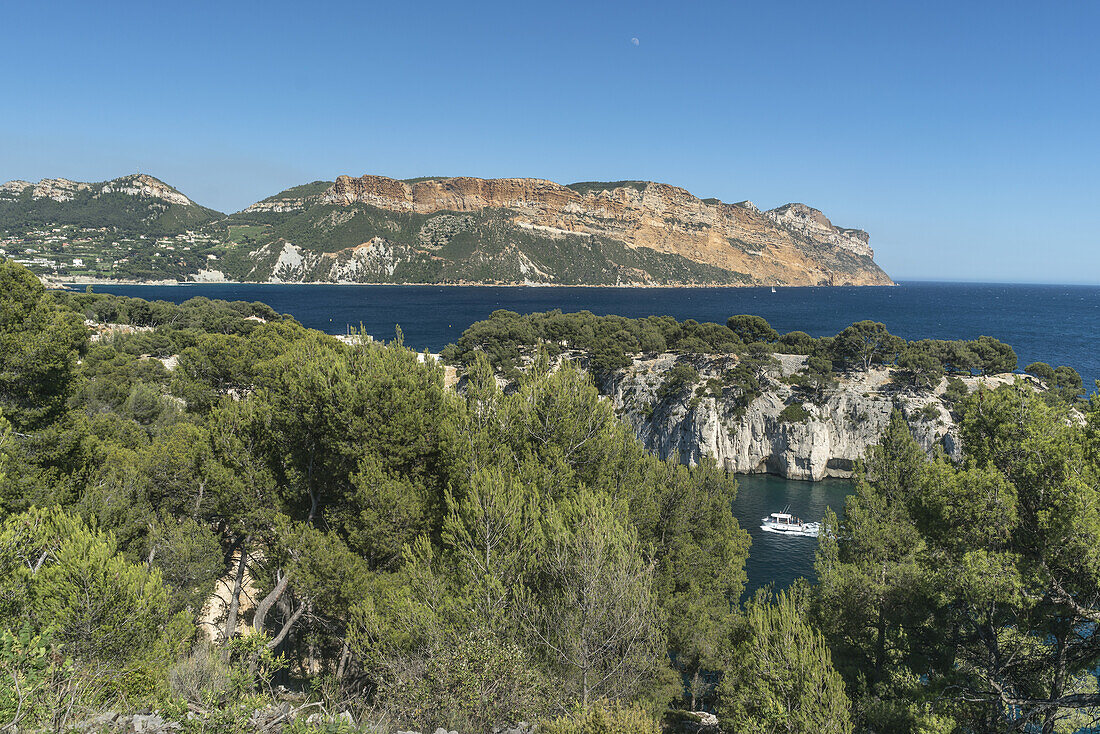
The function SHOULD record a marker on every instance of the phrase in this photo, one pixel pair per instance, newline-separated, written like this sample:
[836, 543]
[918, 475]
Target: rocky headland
[440, 230]
[823, 439]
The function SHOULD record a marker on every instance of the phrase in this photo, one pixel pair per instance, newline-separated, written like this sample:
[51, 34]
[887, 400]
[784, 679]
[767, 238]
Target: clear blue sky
[964, 136]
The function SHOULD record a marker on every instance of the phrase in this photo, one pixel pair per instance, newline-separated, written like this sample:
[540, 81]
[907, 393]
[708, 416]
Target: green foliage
[993, 356]
[919, 368]
[865, 343]
[928, 412]
[475, 682]
[507, 338]
[816, 378]
[778, 675]
[204, 678]
[600, 622]
[254, 654]
[31, 667]
[1041, 370]
[955, 391]
[1068, 386]
[60, 574]
[941, 571]
[750, 329]
[118, 211]
[587, 187]
[190, 560]
[797, 342]
[470, 559]
[602, 717]
[39, 344]
[794, 413]
[678, 380]
[454, 246]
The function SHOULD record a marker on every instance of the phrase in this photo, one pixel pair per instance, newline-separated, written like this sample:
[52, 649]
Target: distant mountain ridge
[375, 229]
[137, 203]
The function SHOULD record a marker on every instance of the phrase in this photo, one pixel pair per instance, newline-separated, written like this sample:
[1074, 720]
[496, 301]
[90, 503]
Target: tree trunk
[1057, 687]
[342, 666]
[238, 586]
[269, 601]
[880, 650]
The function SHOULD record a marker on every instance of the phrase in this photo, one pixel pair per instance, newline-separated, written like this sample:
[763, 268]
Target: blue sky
[964, 136]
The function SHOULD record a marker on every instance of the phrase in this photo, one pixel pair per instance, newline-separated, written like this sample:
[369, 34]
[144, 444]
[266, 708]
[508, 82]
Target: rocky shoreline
[833, 435]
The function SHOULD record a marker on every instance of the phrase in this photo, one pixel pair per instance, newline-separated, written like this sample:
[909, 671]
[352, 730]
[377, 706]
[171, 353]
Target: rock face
[462, 230]
[136, 206]
[62, 189]
[791, 245]
[836, 434]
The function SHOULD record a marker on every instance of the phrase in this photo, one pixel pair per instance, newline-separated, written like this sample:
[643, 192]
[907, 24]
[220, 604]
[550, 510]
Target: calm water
[1052, 323]
[774, 557]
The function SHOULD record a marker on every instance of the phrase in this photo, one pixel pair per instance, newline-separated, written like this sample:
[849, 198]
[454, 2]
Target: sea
[1057, 324]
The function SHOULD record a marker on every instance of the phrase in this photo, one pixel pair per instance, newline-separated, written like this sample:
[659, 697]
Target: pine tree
[779, 675]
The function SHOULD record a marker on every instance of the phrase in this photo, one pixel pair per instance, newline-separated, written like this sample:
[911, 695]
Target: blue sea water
[1058, 324]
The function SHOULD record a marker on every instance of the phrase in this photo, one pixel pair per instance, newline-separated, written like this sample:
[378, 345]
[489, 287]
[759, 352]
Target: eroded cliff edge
[527, 230]
[697, 420]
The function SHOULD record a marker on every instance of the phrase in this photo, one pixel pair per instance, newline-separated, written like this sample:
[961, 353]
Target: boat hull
[808, 530]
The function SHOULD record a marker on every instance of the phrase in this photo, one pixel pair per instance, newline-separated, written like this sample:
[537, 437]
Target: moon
[635, 41]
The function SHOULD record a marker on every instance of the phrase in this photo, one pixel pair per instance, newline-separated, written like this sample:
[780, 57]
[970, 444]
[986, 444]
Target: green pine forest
[223, 517]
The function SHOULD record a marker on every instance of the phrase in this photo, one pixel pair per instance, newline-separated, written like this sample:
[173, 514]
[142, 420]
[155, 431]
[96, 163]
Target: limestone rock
[791, 245]
[837, 433]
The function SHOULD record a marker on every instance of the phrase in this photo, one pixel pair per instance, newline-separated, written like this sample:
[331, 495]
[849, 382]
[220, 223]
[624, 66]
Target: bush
[602, 718]
[202, 677]
[955, 391]
[677, 380]
[928, 412]
[794, 413]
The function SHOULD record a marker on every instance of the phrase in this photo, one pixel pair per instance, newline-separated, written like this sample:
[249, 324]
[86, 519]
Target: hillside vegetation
[276, 523]
[375, 229]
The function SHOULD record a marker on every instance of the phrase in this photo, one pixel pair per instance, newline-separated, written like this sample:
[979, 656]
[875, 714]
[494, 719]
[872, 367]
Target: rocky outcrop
[145, 186]
[461, 230]
[62, 189]
[815, 226]
[791, 245]
[759, 438]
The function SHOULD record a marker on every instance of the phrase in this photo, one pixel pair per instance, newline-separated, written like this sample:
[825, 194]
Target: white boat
[773, 289]
[785, 523]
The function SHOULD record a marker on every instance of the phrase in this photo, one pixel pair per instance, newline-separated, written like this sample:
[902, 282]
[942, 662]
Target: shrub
[202, 677]
[955, 391]
[928, 412]
[794, 413]
[677, 380]
[602, 718]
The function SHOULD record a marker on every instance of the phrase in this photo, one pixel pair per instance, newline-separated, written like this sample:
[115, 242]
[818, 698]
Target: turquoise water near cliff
[1058, 324]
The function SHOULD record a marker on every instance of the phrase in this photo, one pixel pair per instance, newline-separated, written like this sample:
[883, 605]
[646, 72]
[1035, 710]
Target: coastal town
[70, 252]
